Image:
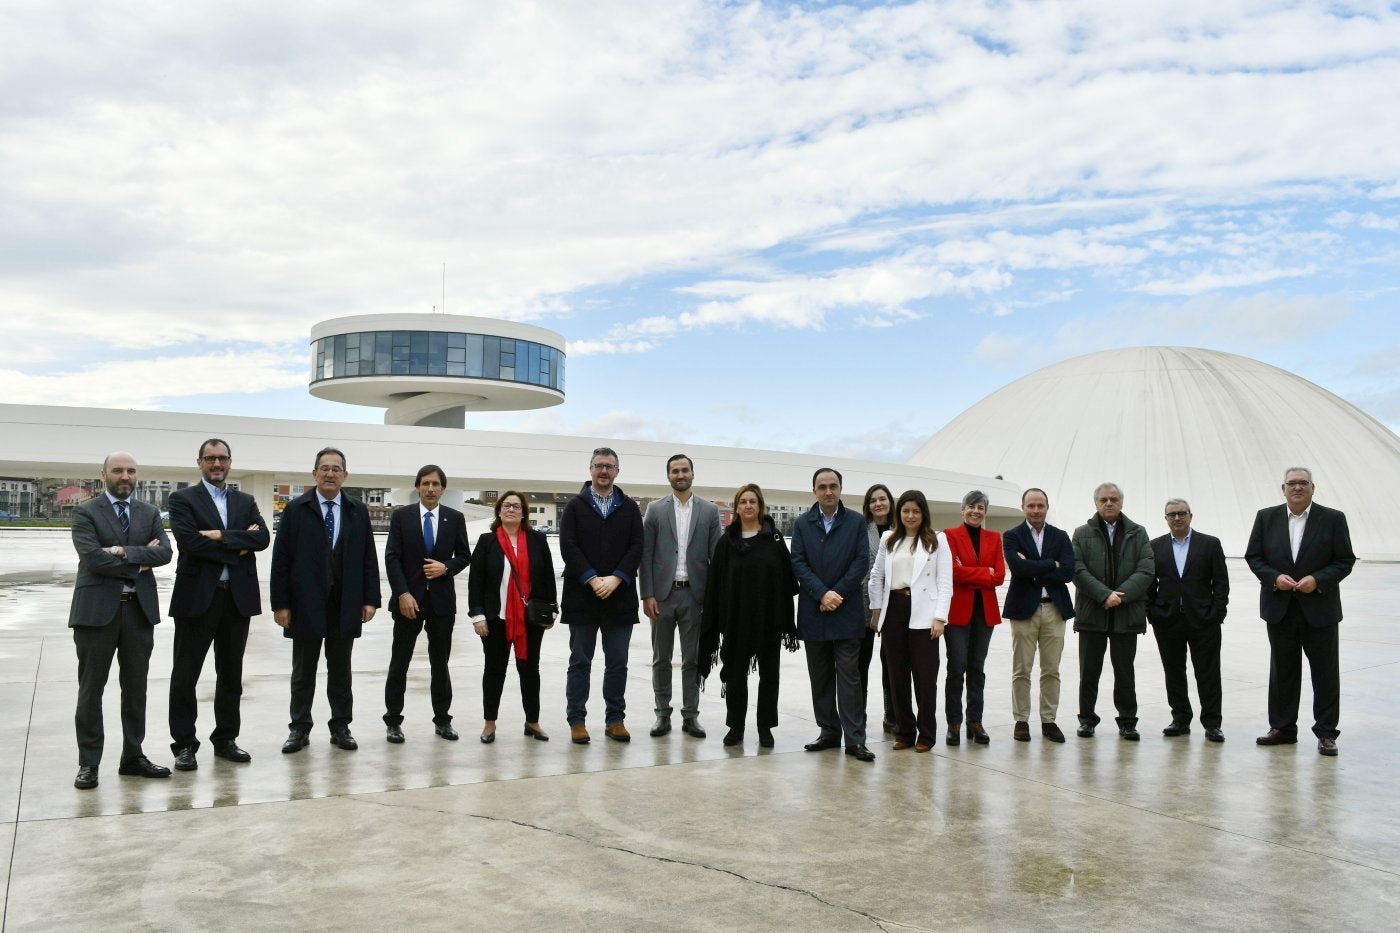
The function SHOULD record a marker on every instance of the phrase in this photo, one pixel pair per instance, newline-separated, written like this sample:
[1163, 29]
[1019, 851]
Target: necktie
[330, 523]
[428, 532]
[124, 519]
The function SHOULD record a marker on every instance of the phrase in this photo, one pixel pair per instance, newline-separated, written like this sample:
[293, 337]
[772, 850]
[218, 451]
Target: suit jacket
[301, 562]
[491, 576]
[930, 584]
[976, 575]
[1037, 571]
[594, 546]
[1202, 589]
[659, 543]
[201, 560]
[1324, 553]
[837, 560]
[404, 554]
[97, 591]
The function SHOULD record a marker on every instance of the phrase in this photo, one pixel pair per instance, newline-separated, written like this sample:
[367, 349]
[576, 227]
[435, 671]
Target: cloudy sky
[804, 226]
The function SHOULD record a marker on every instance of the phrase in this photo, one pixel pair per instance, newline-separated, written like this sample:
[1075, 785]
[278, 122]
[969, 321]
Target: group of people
[883, 580]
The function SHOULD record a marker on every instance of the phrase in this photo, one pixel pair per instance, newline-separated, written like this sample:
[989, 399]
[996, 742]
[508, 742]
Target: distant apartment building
[16, 497]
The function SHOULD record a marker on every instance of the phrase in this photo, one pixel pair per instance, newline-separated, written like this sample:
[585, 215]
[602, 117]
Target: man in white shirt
[679, 533]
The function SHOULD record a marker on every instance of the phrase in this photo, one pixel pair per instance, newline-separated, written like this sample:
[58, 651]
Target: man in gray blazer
[114, 612]
[679, 533]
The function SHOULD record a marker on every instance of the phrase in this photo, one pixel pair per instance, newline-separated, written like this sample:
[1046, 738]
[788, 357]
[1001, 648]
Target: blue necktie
[330, 524]
[428, 532]
[124, 519]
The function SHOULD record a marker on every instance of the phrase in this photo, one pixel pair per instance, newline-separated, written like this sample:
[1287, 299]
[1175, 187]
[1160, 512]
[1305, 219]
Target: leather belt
[1046, 599]
[902, 591]
[681, 585]
[221, 584]
[128, 597]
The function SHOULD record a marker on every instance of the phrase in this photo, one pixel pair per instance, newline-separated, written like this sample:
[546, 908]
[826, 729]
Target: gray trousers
[677, 611]
[834, 670]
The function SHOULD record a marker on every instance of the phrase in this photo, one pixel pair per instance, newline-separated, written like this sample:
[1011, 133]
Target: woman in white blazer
[911, 587]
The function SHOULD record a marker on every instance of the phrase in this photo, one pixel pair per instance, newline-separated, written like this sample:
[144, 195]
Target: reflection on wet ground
[686, 833]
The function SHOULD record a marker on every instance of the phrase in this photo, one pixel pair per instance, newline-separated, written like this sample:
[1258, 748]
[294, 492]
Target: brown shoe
[921, 747]
[1327, 747]
[900, 745]
[1051, 732]
[579, 734]
[618, 732]
[1022, 732]
[1277, 737]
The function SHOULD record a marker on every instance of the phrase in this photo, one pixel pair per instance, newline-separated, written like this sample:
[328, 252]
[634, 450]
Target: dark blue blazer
[201, 560]
[403, 561]
[1037, 571]
[822, 561]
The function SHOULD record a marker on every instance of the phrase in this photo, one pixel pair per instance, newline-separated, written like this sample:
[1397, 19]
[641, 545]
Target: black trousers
[128, 637]
[227, 631]
[1288, 641]
[306, 656]
[837, 704]
[967, 658]
[736, 690]
[1174, 639]
[1122, 649]
[867, 653]
[498, 653]
[439, 651]
[911, 654]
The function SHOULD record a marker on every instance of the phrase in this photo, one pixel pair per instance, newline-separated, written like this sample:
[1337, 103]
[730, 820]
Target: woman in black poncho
[748, 616]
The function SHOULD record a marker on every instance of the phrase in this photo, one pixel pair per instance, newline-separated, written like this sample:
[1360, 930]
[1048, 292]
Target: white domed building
[1216, 429]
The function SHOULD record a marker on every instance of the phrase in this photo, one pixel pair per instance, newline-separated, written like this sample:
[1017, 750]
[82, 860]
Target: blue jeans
[583, 642]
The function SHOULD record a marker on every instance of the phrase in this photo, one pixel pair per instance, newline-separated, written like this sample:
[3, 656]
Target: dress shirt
[902, 565]
[337, 510]
[126, 587]
[1297, 524]
[437, 531]
[1112, 528]
[604, 504]
[220, 497]
[682, 513]
[1039, 538]
[1179, 549]
[828, 520]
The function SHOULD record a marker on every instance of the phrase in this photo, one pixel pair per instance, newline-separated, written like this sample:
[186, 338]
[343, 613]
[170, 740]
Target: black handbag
[538, 612]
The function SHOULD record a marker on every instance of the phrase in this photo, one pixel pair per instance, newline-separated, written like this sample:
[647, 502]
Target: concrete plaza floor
[680, 833]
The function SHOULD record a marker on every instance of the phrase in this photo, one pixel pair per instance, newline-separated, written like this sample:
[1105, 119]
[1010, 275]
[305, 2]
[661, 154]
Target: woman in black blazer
[496, 605]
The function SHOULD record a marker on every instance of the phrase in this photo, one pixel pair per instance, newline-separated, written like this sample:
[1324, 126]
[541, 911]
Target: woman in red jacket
[978, 569]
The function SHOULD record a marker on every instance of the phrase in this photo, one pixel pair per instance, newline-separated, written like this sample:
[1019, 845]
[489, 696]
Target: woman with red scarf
[511, 565]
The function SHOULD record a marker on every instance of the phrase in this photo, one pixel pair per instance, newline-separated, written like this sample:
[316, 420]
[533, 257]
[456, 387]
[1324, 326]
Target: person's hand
[874, 619]
[432, 569]
[651, 609]
[367, 613]
[1114, 600]
[408, 606]
[603, 587]
[936, 629]
[282, 617]
[1307, 585]
[831, 601]
[213, 534]
[481, 628]
[1285, 583]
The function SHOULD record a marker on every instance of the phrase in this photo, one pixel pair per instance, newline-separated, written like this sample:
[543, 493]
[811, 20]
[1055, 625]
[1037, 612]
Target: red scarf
[515, 597]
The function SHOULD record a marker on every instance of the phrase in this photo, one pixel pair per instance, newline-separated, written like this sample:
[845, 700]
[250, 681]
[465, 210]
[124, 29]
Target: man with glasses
[325, 586]
[1186, 605]
[600, 538]
[1301, 552]
[218, 531]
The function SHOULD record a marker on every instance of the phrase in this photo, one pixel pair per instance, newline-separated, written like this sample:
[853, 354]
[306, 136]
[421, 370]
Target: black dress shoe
[692, 727]
[1129, 733]
[393, 734]
[448, 733]
[1328, 747]
[86, 779]
[342, 738]
[486, 737]
[976, 733]
[954, 736]
[765, 737]
[1177, 727]
[1213, 734]
[733, 737]
[1277, 737]
[185, 760]
[1021, 732]
[536, 734]
[1051, 732]
[1085, 730]
[142, 767]
[860, 753]
[296, 741]
[660, 727]
[822, 744]
[229, 751]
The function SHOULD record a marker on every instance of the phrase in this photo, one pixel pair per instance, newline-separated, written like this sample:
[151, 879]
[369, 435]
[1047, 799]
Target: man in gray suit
[679, 534]
[114, 612]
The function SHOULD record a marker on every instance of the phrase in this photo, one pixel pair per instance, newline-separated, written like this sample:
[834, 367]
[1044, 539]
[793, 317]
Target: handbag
[538, 612]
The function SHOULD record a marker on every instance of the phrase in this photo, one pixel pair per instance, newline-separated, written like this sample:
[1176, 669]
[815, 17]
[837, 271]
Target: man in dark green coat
[1113, 568]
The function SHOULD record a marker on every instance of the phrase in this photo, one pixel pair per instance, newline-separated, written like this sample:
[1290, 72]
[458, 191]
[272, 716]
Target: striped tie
[124, 519]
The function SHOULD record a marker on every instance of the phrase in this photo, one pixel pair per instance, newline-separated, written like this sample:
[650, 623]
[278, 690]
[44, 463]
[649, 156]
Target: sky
[810, 227]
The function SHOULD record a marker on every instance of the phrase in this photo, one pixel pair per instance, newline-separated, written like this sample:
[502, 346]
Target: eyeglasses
[605, 467]
[1298, 483]
[1177, 514]
[330, 469]
[510, 506]
[216, 459]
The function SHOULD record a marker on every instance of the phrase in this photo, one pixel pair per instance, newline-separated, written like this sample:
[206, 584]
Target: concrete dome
[1213, 428]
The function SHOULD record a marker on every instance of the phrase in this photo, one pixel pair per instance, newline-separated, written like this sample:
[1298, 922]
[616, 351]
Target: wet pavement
[683, 833]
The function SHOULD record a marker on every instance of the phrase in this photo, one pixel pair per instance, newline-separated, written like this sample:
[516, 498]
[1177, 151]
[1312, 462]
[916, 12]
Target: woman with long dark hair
[911, 587]
[878, 510]
[978, 569]
[748, 615]
[511, 565]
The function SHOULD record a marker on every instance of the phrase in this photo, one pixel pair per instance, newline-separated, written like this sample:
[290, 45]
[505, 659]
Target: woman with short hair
[978, 569]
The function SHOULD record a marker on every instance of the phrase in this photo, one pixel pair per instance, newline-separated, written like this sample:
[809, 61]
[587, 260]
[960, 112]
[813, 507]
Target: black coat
[593, 545]
[748, 601]
[1202, 589]
[1325, 554]
[489, 568]
[201, 559]
[301, 561]
[403, 561]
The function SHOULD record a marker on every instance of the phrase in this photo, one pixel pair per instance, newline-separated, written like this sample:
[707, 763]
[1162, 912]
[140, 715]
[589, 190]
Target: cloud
[148, 383]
